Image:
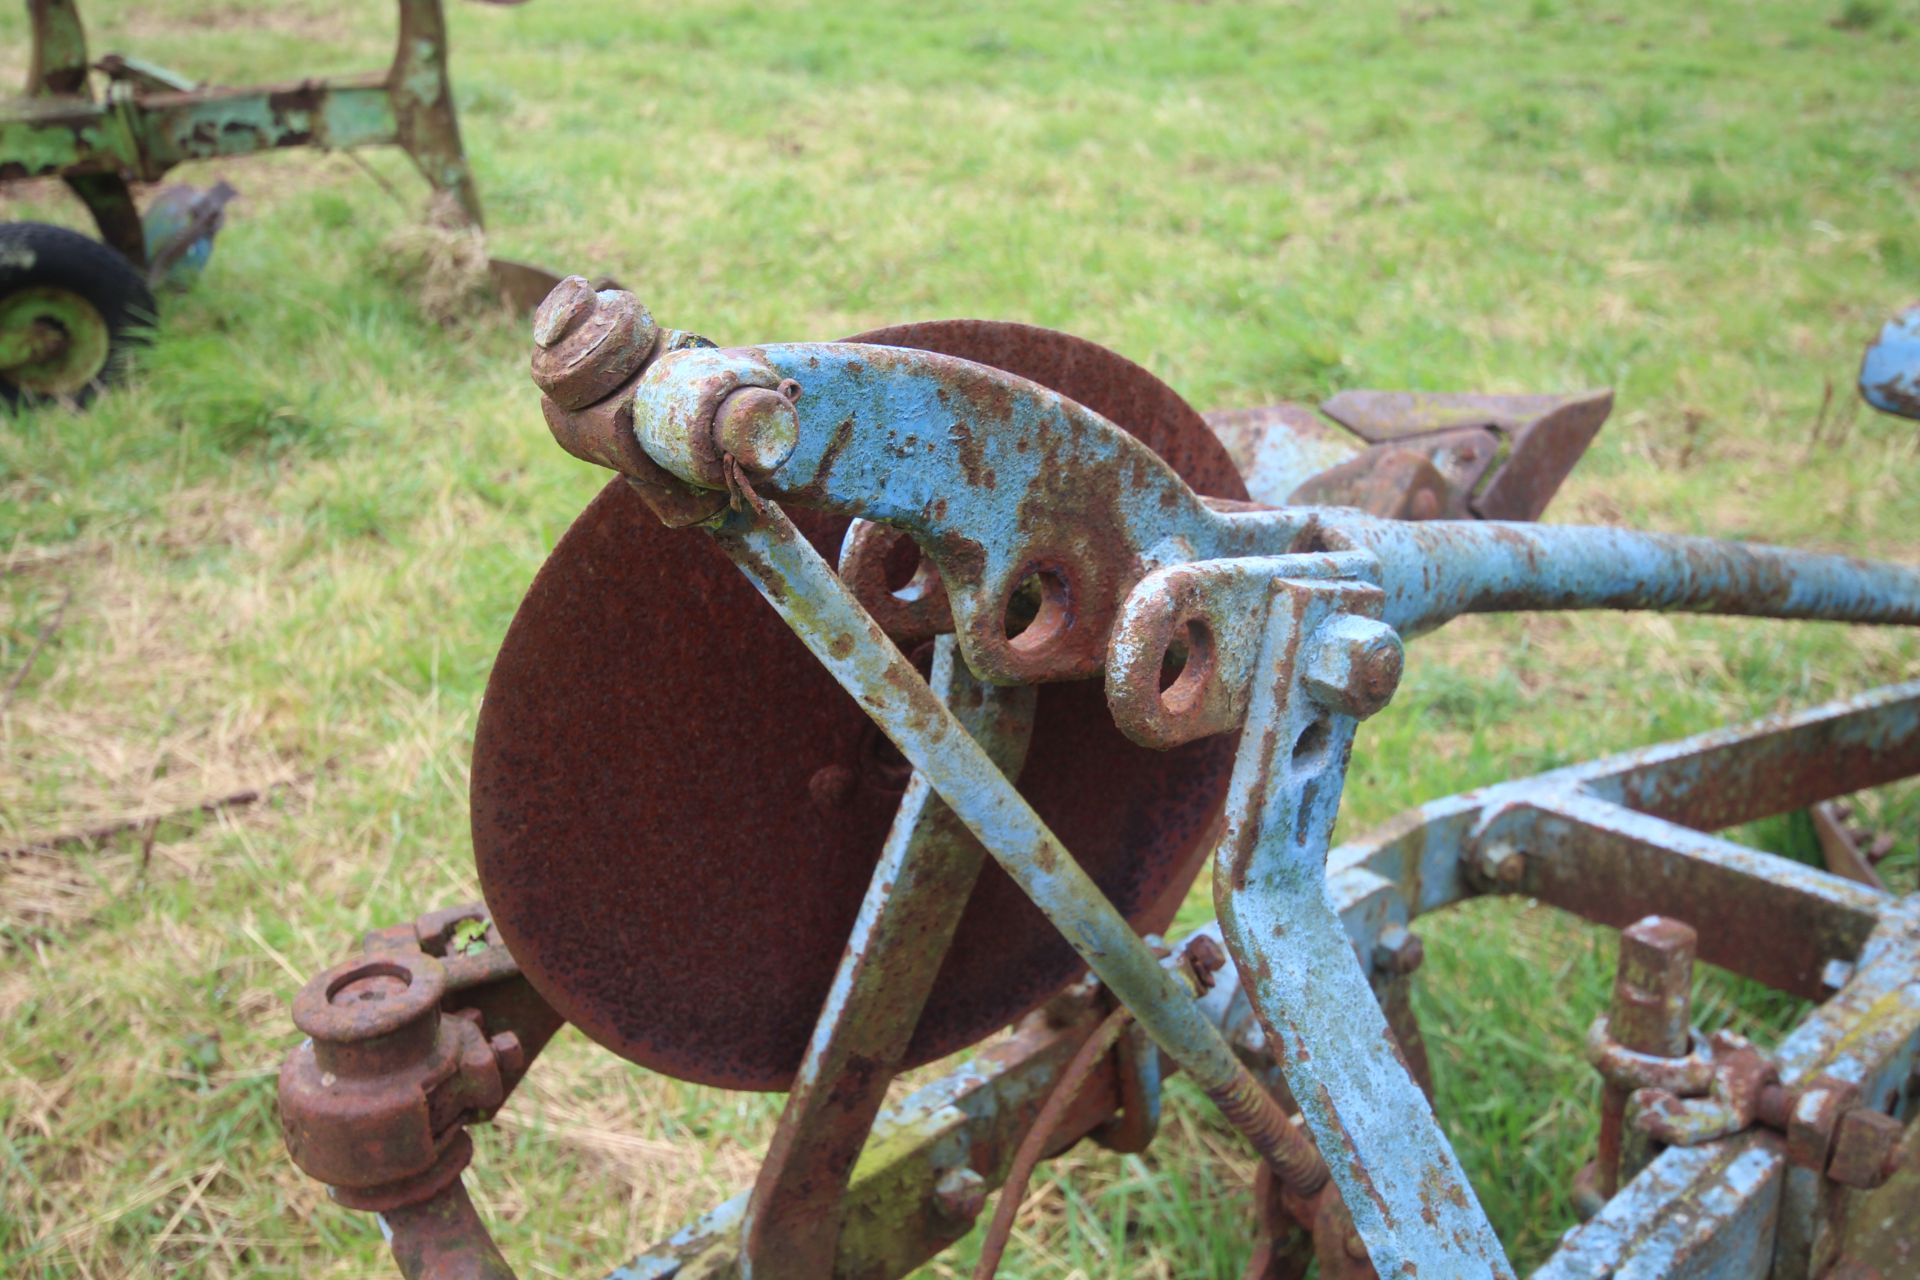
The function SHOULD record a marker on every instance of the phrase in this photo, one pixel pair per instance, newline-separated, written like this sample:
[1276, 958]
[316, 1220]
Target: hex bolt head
[1864, 1147]
[759, 427]
[1399, 951]
[586, 343]
[1353, 665]
[1653, 987]
[960, 1194]
[509, 1053]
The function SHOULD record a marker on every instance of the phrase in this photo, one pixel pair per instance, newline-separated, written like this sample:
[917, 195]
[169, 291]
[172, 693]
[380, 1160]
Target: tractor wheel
[71, 312]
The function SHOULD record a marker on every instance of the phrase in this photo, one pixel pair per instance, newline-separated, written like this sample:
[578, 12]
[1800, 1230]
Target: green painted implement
[68, 316]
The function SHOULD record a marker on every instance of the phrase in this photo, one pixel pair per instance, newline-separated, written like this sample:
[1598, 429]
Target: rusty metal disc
[676, 810]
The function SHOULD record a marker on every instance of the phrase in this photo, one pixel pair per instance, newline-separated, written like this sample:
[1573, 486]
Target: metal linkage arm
[1281, 623]
[1325, 662]
[430, 1027]
[1006, 485]
[1434, 571]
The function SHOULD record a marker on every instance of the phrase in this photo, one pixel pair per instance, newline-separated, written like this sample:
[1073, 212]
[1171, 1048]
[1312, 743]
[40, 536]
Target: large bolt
[373, 1015]
[1353, 665]
[1865, 1149]
[1653, 988]
[587, 343]
[758, 427]
[1652, 1013]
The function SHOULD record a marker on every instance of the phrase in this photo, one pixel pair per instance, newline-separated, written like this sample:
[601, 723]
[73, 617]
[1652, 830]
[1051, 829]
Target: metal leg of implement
[913, 905]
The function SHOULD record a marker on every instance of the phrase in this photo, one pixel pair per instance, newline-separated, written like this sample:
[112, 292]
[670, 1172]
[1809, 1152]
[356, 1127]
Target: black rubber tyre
[42, 261]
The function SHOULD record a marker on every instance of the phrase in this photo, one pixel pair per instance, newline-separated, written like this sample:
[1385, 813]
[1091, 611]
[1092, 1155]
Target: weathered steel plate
[676, 810]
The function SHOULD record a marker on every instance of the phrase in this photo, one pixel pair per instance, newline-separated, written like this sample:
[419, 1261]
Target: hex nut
[1814, 1119]
[1498, 863]
[1863, 1149]
[1353, 665]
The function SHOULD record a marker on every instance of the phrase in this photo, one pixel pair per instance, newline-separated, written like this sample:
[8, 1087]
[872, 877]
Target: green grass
[290, 547]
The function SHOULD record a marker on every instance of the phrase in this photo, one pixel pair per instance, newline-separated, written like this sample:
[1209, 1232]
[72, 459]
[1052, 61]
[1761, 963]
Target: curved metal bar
[1000, 480]
[1003, 482]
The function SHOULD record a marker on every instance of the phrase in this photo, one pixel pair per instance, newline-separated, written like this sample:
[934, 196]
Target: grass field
[284, 555]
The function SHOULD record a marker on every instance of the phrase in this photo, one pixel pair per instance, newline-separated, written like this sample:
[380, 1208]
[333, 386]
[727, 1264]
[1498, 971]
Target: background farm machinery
[68, 310]
[762, 824]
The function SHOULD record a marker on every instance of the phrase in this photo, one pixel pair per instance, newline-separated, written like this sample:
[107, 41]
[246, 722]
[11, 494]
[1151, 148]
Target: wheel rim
[53, 342]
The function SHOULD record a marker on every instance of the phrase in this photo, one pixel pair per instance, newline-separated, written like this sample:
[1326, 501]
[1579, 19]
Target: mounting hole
[901, 563]
[1310, 748]
[1186, 666]
[910, 578]
[1037, 611]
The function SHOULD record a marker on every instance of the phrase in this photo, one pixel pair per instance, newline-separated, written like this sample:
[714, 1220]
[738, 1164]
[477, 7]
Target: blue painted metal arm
[1434, 571]
[1400, 1179]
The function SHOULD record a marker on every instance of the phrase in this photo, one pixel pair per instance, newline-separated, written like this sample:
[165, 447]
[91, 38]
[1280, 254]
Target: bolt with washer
[1353, 665]
[586, 342]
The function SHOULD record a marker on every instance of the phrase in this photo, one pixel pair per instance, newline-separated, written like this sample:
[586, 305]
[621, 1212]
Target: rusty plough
[1065, 658]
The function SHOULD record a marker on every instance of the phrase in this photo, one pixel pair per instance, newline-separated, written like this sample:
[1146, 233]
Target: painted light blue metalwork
[1002, 482]
[1404, 1187]
[991, 474]
[999, 480]
[1434, 571]
[1890, 371]
[914, 900]
[1701, 783]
